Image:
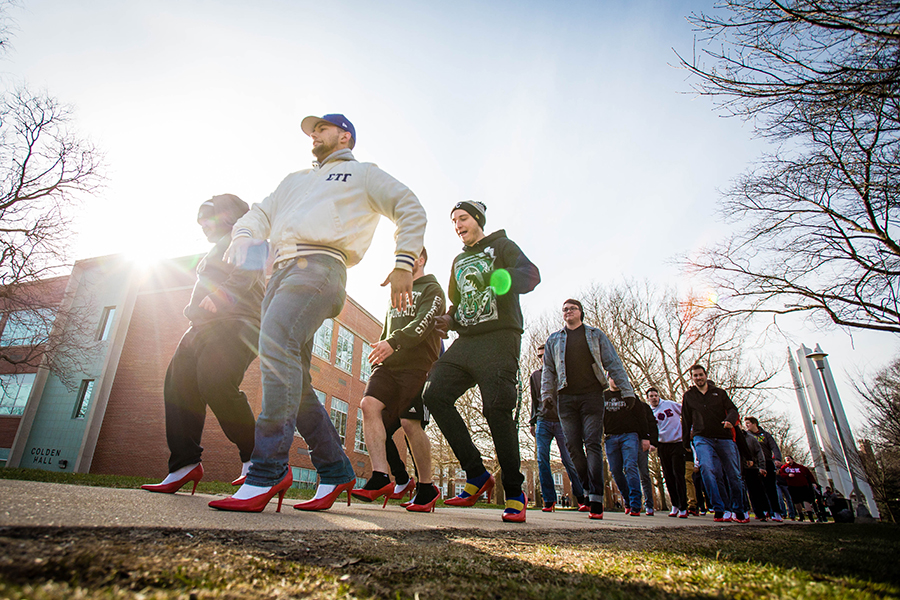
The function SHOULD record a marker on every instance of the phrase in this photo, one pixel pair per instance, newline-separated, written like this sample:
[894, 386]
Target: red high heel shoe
[195, 475]
[518, 517]
[256, 503]
[240, 480]
[326, 502]
[549, 508]
[409, 487]
[470, 500]
[425, 508]
[372, 495]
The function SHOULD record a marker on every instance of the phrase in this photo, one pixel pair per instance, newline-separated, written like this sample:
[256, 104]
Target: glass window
[339, 411]
[344, 358]
[14, 391]
[320, 395]
[459, 488]
[360, 445]
[322, 340]
[361, 482]
[557, 478]
[304, 479]
[84, 399]
[365, 369]
[106, 321]
[27, 327]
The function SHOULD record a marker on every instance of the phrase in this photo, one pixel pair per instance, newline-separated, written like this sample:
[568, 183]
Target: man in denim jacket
[576, 359]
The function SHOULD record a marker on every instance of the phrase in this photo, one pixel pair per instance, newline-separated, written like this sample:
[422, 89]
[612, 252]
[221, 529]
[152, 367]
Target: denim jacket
[553, 377]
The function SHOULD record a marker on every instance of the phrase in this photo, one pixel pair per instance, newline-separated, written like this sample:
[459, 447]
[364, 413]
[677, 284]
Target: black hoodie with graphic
[482, 297]
[411, 332]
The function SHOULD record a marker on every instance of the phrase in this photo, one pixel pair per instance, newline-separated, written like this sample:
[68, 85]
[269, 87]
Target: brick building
[113, 420]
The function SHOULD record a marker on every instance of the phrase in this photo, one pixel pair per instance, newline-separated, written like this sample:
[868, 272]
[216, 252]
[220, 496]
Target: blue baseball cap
[309, 124]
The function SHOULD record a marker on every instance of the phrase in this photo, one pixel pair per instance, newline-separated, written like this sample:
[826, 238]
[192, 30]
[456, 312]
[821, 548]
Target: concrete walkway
[31, 504]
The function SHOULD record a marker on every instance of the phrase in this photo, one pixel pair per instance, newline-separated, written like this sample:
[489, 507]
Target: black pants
[671, 459]
[581, 417]
[770, 483]
[207, 370]
[491, 361]
[757, 491]
[702, 499]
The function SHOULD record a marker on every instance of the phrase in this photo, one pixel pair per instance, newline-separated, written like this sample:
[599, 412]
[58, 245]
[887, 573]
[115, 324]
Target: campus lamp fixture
[818, 358]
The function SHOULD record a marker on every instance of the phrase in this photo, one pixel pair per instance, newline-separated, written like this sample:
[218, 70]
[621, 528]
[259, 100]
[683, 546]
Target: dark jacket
[237, 293]
[650, 423]
[478, 294]
[703, 414]
[623, 415]
[546, 410]
[754, 452]
[411, 332]
[767, 443]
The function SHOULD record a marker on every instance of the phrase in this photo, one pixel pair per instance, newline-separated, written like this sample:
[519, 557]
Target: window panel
[14, 392]
[84, 399]
[106, 321]
[322, 340]
[365, 369]
[344, 357]
[360, 445]
[27, 327]
[339, 412]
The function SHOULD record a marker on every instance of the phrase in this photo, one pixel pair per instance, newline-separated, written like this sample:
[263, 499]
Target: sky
[574, 125]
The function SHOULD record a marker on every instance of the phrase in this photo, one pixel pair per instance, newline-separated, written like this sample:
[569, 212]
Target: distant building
[113, 421]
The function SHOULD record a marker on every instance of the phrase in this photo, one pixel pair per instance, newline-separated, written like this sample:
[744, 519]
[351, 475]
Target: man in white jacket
[318, 222]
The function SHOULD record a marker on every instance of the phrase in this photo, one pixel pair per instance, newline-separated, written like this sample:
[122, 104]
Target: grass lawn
[708, 561]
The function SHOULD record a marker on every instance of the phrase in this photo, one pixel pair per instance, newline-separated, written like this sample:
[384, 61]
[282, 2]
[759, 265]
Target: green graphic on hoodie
[477, 300]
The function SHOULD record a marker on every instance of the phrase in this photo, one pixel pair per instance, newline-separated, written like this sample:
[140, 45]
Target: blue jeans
[581, 417]
[721, 472]
[544, 433]
[622, 453]
[298, 300]
[646, 483]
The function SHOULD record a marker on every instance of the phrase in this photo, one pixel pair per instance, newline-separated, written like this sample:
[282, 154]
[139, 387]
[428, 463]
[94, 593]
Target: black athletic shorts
[399, 390]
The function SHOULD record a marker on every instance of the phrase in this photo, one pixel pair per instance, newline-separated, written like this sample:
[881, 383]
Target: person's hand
[645, 445]
[532, 430]
[380, 351]
[762, 472]
[401, 288]
[208, 304]
[749, 463]
[442, 325]
[236, 253]
[612, 384]
[727, 424]
[778, 464]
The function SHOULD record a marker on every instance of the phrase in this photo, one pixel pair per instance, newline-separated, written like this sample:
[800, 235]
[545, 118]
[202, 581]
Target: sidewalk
[36, 504]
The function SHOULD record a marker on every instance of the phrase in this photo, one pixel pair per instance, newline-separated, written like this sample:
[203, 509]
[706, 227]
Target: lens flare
[501, 281]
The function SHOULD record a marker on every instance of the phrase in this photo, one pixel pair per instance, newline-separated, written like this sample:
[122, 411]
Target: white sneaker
[674, 512]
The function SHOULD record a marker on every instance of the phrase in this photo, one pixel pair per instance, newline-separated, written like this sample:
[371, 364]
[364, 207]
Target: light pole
[861, 508]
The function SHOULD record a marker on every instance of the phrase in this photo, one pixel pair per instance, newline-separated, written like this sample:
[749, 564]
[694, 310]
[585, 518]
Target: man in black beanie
[485, 284]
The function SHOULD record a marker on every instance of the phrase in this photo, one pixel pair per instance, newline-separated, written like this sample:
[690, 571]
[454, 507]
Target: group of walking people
[317, 223]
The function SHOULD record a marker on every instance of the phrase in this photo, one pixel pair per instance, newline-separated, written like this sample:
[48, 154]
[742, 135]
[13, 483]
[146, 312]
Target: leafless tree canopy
[816, 218]
[881, 455]
[45, 168]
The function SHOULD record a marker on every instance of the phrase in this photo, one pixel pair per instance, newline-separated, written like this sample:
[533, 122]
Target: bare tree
[881, 451]
[659, 335]
[816, 219]
[45, 169]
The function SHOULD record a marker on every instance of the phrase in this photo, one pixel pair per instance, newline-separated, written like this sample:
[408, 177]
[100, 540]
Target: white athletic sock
[323, 490]
[247, 491]
[245, 468]
[176, 475]
[399, 488]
